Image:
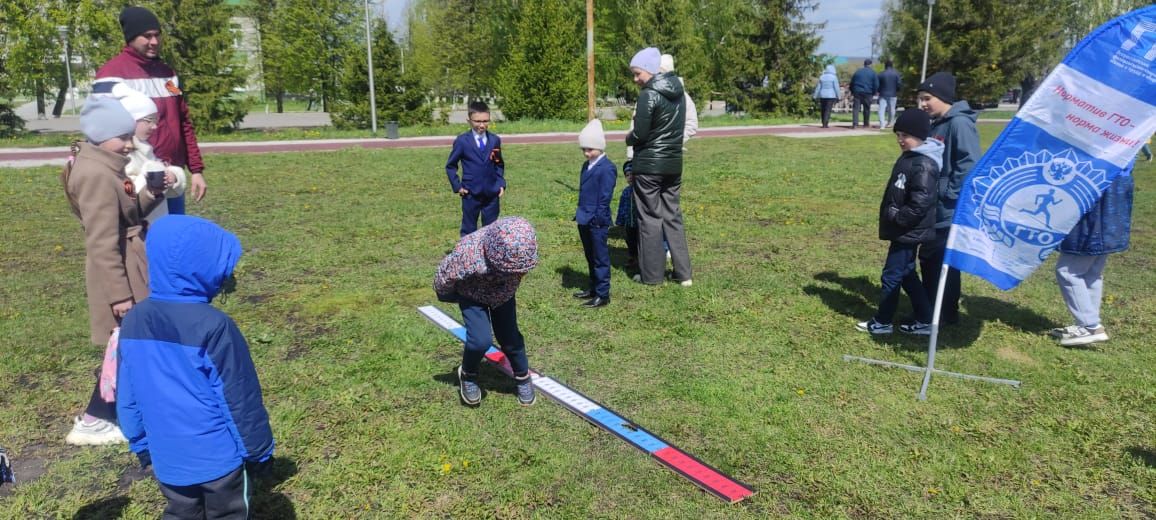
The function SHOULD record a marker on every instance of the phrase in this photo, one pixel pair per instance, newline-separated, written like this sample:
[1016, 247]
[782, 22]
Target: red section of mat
[708, 478]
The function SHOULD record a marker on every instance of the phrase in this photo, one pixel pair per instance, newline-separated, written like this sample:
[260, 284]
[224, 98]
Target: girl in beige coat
[112, 215]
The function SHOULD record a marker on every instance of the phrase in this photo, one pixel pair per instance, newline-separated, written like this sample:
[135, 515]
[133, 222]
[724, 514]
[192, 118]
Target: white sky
[848, 33]
[849, 25]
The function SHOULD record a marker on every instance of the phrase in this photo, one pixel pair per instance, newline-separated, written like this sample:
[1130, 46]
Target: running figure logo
[1030, 202]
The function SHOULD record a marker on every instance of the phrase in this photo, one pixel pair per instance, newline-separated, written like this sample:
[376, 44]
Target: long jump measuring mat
[702, 475]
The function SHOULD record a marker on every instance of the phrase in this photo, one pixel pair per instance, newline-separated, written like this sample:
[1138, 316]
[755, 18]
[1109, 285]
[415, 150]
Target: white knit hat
[592, 136]
[646, 59]
[137, 104]
[666, 63]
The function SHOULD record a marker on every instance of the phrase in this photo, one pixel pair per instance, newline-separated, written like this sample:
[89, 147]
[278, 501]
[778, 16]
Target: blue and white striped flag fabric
[1082, 128]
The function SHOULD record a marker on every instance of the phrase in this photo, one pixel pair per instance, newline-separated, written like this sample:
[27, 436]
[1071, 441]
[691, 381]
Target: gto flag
[1079, 131]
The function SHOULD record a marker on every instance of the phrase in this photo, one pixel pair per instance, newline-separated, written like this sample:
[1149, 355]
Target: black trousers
[930, 264]
[97, 407]
[224, 498]
[825, 106]
[862, 103]
[656, 198]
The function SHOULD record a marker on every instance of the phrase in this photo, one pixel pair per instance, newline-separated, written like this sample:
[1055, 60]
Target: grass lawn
[743, 370]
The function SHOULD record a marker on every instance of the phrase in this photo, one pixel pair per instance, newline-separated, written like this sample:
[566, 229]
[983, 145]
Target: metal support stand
[913, 368]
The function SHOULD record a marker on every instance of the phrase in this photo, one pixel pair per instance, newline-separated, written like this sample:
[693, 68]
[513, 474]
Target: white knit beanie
[592, 136]
[137, 104]
[666, 63]
[647, 59]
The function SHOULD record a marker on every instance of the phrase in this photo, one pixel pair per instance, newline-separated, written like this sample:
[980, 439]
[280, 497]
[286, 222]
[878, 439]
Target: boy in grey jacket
[953, 124]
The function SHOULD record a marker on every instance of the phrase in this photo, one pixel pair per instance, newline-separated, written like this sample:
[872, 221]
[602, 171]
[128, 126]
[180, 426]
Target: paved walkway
[57, 155]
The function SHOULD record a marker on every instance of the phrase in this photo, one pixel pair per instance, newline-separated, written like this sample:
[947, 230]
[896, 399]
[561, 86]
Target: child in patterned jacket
[481, 274]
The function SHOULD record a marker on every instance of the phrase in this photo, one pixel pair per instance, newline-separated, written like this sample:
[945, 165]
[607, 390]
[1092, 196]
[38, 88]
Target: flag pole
[934, 340]
[935, 324]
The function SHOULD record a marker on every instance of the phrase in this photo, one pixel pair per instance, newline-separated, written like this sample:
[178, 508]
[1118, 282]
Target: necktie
[481, 142]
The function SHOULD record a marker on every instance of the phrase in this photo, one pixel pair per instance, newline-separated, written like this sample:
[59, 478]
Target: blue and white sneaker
[468, 387]
[874, 327]
[525, 391]
[918, 328]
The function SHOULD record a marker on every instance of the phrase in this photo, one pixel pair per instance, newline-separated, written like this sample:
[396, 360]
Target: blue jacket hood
[189, 258]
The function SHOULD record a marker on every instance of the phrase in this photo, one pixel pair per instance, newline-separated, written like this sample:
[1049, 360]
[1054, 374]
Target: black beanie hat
[135, 21]
[914, 122]
[940, 85]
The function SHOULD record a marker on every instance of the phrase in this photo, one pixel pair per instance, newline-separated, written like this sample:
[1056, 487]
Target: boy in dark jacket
[188, 398]
[483, 178]
[953, 124]
[595, 189]
[625, 217]
[906, 218]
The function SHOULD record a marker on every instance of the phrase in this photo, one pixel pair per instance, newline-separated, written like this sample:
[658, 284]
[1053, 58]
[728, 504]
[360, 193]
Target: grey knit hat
[103, 118]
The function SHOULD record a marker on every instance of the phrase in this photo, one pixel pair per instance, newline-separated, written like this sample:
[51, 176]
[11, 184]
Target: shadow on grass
[1147, 456]
[267, 503]
[573, 278]
[489, 378]
[111, 507]
[856, 298]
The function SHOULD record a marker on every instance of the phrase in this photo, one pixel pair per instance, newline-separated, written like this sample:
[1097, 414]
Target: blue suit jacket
[481, 174]
[595, 190]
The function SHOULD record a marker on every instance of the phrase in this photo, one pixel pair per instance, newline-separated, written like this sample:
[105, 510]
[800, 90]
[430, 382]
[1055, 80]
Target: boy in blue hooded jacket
[188, 398]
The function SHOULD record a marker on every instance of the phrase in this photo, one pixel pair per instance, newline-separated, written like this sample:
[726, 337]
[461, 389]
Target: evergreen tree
[398, 96]
[772, 60]
[198, 44]
[544, 75]
[986, 58]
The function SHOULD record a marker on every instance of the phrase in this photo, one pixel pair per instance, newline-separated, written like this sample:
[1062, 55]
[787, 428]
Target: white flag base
[931, 347]
[913, 368]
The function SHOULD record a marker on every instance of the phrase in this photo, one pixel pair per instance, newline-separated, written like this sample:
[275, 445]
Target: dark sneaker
[525, 391]
[471, 392]
[917, 328]
[874, 327]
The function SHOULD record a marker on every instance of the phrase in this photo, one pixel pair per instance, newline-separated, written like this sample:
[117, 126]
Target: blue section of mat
[638, 437]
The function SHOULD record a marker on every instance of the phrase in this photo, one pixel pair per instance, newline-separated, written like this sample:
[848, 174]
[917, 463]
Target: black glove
[145, 458]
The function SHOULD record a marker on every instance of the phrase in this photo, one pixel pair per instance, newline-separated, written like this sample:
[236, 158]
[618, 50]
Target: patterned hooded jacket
[487, 265]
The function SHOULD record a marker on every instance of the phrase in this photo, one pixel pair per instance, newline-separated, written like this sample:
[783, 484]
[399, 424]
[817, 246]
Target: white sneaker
[99, 433]
[1084, 336]
[686, 283]
[874, 327]
[1063, 331]
[668, 256]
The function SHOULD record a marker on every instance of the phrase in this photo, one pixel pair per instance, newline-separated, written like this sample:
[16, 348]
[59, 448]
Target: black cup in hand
[155, 180]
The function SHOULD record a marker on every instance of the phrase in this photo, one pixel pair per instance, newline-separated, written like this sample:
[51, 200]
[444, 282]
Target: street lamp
[369, 60]
[926, 41]
[67, 66]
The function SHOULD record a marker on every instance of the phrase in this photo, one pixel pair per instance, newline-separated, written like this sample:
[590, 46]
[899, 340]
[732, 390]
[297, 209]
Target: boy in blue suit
[595, 189]
[187, 395]
[483, 179]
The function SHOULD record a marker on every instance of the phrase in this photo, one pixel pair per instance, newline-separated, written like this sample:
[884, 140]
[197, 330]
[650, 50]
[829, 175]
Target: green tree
[198, 44]
[305, 44]
[986, 58]
[398, 96]
[772, 59]
[544, 76]
[455, 45]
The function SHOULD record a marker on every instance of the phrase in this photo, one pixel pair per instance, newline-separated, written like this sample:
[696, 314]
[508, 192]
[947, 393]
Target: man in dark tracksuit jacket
[483, 180]
[864, 84]
[188, 398]
[659, 119]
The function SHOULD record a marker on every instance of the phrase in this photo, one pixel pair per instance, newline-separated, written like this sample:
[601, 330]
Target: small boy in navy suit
[595, 189]
[483, 180]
